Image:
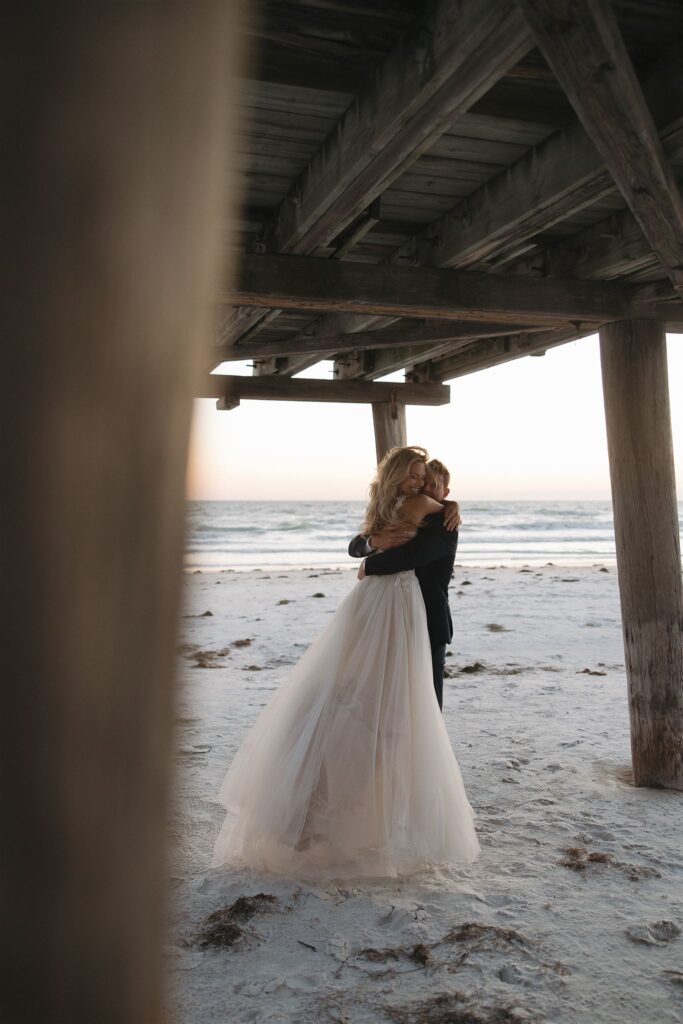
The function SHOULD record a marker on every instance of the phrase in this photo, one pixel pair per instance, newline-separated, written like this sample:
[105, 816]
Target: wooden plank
[348, 239]
[260, 94]
[662, 298]
[614, 112]
[374, 364]
[342, 59]
[486, 353]
[238, 323]
[301, 282]
[464, 170]
[289, 124]
[390, 360]
[275, 65]
[287, 389]
[456, 146]
[491, 129]
[612, 248]
[422, 189]
[341, 324]
[482, 355]
[398, 337]
[339, 33]
[636, 391]
[111, 293]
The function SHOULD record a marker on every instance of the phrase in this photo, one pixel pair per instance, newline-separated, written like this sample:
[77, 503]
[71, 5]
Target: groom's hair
[437, 468]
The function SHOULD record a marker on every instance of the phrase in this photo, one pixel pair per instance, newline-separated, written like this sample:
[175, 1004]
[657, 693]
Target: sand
[572, 913]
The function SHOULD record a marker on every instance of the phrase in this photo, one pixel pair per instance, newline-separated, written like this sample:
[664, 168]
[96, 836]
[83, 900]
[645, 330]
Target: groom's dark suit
[431, 554]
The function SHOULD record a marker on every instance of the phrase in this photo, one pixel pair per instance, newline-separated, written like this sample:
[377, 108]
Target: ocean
[245, 535]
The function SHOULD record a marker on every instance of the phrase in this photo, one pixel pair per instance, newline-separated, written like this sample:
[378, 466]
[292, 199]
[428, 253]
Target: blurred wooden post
[115, 120]
[389, 420]
[636, 394]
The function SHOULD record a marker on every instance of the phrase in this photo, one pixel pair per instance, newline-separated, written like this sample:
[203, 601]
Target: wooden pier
[437, 187]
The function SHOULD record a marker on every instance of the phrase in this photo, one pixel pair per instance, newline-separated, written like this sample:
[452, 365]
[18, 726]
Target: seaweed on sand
[221, 930]
[458, 1008]
[578, 858]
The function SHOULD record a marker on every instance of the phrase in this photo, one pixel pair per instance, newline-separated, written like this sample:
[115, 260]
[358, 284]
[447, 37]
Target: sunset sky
[530, 429]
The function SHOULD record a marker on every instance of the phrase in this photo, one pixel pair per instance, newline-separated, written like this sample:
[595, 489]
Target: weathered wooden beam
[349, 238]
[482, 355]
[614, 247]
[390, 338]
[240, 323]
[298, 282]
[226, 403]
[485, 354]
[264, 366]
[556, 179]
[389, 422]
[383, 358]
[397, 359]
[635, 384]
[341, 324]
[463, 357]
[468, 356]
[430, 78]
[288, 389]
[662, 301]
[376, 364]
[581, 41]
[426, 81]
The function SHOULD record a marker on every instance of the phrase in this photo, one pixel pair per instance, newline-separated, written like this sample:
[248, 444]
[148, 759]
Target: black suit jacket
[431, 553]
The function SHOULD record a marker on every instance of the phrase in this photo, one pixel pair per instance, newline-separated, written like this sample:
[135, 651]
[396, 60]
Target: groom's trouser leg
[438, 662]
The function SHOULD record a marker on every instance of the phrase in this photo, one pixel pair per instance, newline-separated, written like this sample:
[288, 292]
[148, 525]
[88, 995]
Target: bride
[348, 771]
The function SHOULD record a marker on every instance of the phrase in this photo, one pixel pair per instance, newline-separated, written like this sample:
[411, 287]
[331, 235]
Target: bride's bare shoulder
[420, 505]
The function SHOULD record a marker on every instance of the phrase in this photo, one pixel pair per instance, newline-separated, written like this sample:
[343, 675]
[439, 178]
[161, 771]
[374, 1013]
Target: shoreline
[189, 570]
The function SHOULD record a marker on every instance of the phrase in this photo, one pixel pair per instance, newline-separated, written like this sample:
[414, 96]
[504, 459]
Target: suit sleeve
[432, 542]
[359, 547]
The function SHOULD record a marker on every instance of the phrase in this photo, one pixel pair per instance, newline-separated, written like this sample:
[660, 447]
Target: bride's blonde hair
[391, 471]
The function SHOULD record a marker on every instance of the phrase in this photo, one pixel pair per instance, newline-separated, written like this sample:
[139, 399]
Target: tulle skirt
[349, 771]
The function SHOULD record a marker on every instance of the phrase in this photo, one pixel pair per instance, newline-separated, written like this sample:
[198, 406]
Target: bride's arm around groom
[431, 543]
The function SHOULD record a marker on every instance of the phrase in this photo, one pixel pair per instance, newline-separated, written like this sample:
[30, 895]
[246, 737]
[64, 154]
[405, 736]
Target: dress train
[349, 771]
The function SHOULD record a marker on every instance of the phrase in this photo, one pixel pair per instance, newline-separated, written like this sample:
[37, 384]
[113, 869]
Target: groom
[431, 553]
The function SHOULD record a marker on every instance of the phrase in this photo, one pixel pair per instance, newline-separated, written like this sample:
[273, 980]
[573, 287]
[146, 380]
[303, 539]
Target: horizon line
[362, 500]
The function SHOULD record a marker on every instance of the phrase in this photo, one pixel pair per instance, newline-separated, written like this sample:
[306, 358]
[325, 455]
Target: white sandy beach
[573, 912]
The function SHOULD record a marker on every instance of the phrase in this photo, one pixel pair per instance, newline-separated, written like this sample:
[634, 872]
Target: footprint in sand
[511, 975]
[659, 933]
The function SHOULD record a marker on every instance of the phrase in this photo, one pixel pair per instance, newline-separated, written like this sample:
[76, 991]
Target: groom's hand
[451, 516]
[391, 537]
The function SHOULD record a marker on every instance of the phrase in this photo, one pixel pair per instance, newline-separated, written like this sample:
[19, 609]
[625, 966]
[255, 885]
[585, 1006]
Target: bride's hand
[451, 516]
[361, 570]
[391, 537]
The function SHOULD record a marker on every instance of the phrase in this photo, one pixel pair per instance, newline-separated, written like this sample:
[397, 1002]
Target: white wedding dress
[349, 772]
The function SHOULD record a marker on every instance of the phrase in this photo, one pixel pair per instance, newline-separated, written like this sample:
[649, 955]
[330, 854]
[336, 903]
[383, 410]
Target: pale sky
[533, 428]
